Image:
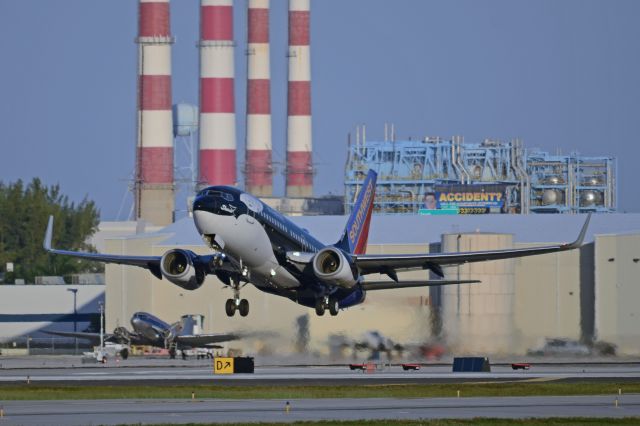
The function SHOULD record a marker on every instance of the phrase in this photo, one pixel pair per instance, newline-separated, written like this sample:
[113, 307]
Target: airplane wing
[93, 337]
[204, 340]
[388, 264]
[152, 263]
[386, 285]
[149, 262]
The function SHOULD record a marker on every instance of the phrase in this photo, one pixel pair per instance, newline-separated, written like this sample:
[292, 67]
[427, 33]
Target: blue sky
[561, 75]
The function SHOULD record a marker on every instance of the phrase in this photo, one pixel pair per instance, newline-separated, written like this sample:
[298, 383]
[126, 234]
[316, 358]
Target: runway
[158, 372]
[162, 371]
[222, 411]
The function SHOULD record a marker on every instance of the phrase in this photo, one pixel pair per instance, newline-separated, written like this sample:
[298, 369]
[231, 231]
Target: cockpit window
[215, 193]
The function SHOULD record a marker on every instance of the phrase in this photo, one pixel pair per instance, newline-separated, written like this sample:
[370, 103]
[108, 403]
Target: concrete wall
[547, 302]
[519, 304]
[617, 291]
[479, 318]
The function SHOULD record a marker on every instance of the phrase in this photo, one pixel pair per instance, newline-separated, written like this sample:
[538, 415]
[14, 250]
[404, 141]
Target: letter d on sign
[223, 366]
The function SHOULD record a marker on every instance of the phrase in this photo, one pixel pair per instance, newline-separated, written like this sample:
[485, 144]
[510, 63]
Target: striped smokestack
[259, 174]
[217, 105]
[299, 166]
[154, 197]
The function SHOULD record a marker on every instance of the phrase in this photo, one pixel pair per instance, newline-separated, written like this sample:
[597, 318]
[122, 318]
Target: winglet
[583, 232]
[46, 244]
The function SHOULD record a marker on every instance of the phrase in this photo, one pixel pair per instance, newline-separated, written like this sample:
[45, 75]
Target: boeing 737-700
[253, 243]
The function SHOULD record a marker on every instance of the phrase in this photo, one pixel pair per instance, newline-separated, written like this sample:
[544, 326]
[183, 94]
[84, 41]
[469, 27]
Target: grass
[58, 392]
[453, 422]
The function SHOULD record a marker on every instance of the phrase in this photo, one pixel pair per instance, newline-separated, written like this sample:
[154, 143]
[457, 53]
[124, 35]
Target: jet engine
[178, 266]
[122, 335]
[331, 265]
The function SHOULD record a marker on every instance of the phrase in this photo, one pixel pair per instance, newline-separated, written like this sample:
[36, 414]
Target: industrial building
[585, 295]
[523, 180]
[160, 134]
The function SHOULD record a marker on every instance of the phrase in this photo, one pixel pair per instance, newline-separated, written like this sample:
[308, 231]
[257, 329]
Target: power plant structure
[215, 126]
[217, 99]
[258, 165]
[299, 163]
[153, 182]
[447, 176]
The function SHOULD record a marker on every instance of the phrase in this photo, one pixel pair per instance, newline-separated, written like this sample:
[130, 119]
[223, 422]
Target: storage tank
[479, 318]
[552, 197]
[592, 181]
[185, 119]
[590, 198]
[553, 180]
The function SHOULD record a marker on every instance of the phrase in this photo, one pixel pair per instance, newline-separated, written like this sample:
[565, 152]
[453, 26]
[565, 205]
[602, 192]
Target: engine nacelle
[331, 265]
[178, 267]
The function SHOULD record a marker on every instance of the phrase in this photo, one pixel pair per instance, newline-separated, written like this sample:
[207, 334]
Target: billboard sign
[464, 200]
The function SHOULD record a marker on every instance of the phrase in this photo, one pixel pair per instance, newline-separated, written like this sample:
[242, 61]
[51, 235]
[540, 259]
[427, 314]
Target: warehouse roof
[417, 229]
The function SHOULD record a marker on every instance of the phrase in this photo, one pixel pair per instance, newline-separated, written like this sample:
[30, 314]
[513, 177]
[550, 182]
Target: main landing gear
[325, 303]
[236, 304]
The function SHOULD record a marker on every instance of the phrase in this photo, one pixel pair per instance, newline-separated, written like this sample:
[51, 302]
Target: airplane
[253, 243]
[152, 331]
[376, 342]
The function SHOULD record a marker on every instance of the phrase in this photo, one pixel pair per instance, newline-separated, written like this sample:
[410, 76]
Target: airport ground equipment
[471, 365]
[412, 367]
[520, 366]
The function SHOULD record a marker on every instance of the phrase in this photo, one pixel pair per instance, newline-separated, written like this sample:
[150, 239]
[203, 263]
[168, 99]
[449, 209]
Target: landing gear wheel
[230, 307]
[333, 307]
[172, 353]
[124, 353]
[244, 307]
[320, 307]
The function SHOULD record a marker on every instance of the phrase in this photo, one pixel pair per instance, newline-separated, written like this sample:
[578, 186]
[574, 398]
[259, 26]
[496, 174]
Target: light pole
[101, 305]
[75, 316]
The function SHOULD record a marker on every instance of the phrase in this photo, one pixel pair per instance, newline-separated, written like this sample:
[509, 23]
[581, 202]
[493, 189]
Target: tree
[24, 212]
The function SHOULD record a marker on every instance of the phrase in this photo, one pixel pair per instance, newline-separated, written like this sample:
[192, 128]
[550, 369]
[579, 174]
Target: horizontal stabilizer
[386, 285]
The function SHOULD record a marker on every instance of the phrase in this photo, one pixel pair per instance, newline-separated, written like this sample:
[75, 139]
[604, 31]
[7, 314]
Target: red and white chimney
[258, 168]
[217, 103]
[299, 166]
[154, 191]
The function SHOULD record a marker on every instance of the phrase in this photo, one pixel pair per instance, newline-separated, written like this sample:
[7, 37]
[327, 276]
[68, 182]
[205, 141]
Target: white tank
[590, 198]
[551, 197]
[592, 181]
[185, 119]
[553, 180]
[479, 318]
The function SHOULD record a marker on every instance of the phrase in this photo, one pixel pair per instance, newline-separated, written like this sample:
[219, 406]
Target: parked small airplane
[152, 331]
[253, 243]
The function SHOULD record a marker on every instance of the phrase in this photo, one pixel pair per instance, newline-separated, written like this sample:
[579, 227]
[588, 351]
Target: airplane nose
[204, 203]
[198, 204]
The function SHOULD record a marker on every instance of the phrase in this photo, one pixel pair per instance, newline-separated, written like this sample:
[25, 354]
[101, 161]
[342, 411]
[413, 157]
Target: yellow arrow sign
[223, 366]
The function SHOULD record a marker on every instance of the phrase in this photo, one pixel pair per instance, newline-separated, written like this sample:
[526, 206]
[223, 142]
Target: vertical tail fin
[356, 233]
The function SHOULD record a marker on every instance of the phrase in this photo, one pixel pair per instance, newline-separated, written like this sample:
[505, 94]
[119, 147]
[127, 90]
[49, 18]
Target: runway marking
[91, 374]
[523, 380]
[545, 379]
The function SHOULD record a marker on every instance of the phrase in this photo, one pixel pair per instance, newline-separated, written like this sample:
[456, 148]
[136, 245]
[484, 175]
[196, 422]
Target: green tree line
[24, 212]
